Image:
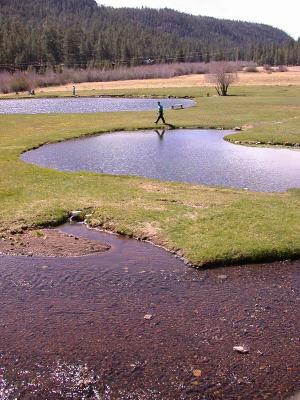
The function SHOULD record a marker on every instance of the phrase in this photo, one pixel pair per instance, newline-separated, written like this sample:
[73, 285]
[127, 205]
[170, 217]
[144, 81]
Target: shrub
[267, 68]
[4, 82]
[222, 75]
[19, 83]
[251, 68]
[4, 87]
[282, 68]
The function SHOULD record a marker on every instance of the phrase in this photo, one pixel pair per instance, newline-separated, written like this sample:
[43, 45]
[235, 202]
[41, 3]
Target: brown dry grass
[292, 77]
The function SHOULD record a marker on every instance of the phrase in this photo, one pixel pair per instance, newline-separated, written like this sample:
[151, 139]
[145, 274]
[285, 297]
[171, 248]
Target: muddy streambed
[134, 322]
[87, 105]
[184, 155]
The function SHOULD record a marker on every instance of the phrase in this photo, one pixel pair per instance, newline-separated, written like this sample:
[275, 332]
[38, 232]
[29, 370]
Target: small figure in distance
[160, 113]
[32, 92]
[74, 90]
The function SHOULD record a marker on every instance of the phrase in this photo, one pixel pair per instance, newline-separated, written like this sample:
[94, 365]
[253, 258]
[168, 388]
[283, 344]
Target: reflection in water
[190, 155]
[160, 133]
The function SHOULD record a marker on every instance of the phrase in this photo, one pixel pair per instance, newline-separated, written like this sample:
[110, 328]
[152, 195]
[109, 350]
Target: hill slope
[81, 33]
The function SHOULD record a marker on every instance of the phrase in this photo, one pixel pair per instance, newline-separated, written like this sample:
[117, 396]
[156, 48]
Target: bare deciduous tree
[222, 75]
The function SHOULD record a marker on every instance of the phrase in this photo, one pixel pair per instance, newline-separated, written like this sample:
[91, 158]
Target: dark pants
[160, 116]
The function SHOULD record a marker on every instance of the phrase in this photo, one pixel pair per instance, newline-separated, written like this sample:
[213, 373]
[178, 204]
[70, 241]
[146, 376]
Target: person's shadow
[170, 126]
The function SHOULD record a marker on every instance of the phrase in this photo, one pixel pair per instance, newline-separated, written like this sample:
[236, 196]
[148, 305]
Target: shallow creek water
[75, 328]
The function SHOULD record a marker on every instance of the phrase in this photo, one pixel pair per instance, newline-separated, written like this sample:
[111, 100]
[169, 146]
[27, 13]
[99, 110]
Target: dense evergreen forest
[80, 33]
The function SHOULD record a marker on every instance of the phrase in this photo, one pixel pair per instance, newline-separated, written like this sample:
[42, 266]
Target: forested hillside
[79, 33]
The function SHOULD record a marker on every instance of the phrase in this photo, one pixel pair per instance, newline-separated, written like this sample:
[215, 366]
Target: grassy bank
[207, 225]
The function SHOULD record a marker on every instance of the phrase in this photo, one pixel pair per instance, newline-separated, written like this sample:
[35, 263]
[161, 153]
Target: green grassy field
[206, 225]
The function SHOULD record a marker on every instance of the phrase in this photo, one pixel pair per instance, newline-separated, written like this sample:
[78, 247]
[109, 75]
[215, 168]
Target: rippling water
[74, 327]
[85, 105]
[194, 156]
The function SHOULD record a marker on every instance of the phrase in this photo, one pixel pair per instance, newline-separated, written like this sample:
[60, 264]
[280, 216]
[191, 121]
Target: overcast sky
[283, 14]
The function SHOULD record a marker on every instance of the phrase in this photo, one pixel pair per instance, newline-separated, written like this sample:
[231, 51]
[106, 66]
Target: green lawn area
[206, 225]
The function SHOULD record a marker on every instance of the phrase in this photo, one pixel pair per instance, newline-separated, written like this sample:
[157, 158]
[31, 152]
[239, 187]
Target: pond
[86, 105]
[190, 155]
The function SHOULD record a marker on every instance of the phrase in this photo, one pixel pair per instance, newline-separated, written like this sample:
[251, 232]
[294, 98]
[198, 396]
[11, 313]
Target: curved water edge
[80, 105]
[187, 155]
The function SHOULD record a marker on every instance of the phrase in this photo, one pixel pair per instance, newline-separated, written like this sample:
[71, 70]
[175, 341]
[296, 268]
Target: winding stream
[75, 328]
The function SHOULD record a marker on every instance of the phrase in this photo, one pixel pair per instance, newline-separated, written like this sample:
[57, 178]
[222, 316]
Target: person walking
[160, 113]
[74, 90]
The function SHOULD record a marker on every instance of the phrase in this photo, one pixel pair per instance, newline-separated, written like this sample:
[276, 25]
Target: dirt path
[136, 323]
